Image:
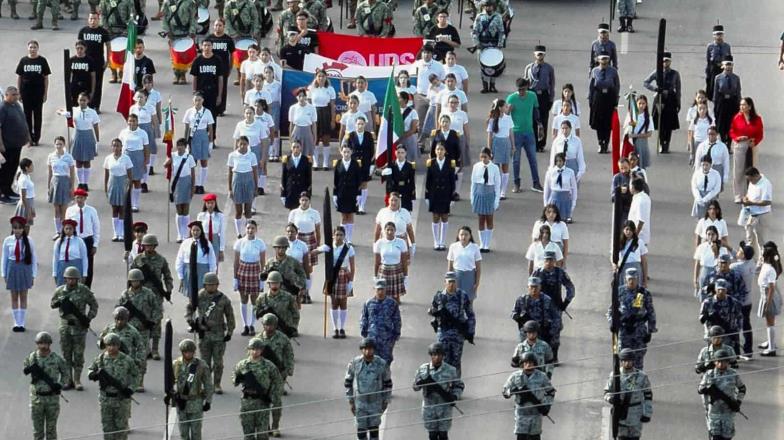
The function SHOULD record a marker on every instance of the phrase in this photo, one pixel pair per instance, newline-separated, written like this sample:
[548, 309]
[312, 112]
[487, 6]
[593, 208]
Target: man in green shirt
[524, 110]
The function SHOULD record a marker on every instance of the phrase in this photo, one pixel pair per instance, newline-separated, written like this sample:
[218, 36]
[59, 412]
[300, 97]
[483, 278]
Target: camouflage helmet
[435, 348]
[210, 278]
[111, 339]
[716, 330]
[627, 354]
[274, 277]
[187, 345]
[255, 343]
[367, 343]
[43, 338]
[135, 275]
[269, 319]
[121, 312]
[531, 326]
[529, 356]
[280, 241]
[722, 354]
[150, 240]
[72, 272]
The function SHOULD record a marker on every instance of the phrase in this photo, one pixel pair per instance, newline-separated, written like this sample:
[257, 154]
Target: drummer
[242, 22]
[488, 31]
[179, 21]
[115, 20]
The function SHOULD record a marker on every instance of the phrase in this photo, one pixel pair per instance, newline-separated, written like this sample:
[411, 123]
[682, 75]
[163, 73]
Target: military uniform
[368, 388]
[72, 332]
[115, 15]
[283, 305]
[402, 181]
[131, 343]
[636, 399]
[720, 417]
[381, 321]
[193, 388]
[242, 19]
[436, 410]
[115, 403]
[727, 314]
[726, 101]
[374, 19]
[454, 322]
[278, 350]
[528, 415]
[603, 90]
[286, 21]
[540, 309]
[425, 18]
[179, 21]
[294, 276]
[295, 180]
[158, 278]
[638, 321]
[669, 94]
[45, 400]
[543, 352]
[715, 53]
[553, 281]
[39, 8]
[255, 403]
[488, 31]
[216, 320]
[706, 360]
[318, 14]
[145, 302]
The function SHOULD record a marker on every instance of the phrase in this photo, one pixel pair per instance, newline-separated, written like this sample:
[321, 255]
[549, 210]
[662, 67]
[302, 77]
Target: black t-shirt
[207, 71]
[294, 55]
[448, 33]
[95, 40]
[310, 41]
[81, 68]
[223, 47]
[32, 72]
[144, 66]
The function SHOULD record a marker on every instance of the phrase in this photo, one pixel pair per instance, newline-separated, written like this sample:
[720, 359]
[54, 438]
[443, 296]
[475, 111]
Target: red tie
[140, 248]
[67, 246]
[209, 229]
[18, 251]
[81, 221]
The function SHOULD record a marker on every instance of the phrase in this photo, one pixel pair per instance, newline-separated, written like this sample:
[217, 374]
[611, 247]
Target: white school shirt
[574, 151]
[493, 178]
[505, 126]
[401, 218]
[558, 105]
[704, 254]
[92, 225]
[276, 69]
[445, 94]
[366, 100]
[76, 250]
[144, 113]
[571, 117]
[568, 183]
[321, 96]
[9, 254]
[349, 254]
[306, 221]
[302, 115]
[297, 250]
[457, 119]
[61, 165]
[558, 231]
[242, 163]
[424, 70]
[698, 183]
[460, 73]
[720, 155]
[153, 98]
[691, 113]
[133, 140]
[184, 256]
[536, 252]
[218, 226]
[253, 95]
[117, 166]
[639, 128]
[255, 131]
[432, 94]
[767, 275]
[700, 128]
[250, 68]
[464, 258]
[702, 226]
[274, 89]
[350, 120]
[190, 163]
[85, 119]
[640, 210]
[411, 90]
[412, 116]
[250, 250]
[204, 116]
[391, 251]
[24, 182]
[758, 192]
[635, 256]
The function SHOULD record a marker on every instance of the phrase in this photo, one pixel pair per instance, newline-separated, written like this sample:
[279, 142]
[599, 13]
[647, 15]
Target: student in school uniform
[458, 122]
[401, 217]
[410, 127]
[61, 178]
[391, 262]
[560, 187]
[500, 140]
[302, 123]
[69, 251]
[566, 114]
[322, 96]
[641, 131]
[299, 251]
[200, 131]
[86, 122]
[117, 175]
[706, 257]
[348, 119]
[465, 259]
[559, 230]
[243, 175]
[485, 195]
[273, 86]
[205, 258]
[88, 228]
[139, 231]
[637, 255]
[363, 149]
[269, 137]
[19, 269]
[705, 186]
[250, 256]
[712, 217]
[714, 148]
[214, 223]
[439, 188]
[367, 102]
[346, 183]
[182, 188]
[148, 121]
[536, 250]
[25, 207]
[343, 269]
[451, 141]
[572, 149]
[254, 129]
[136, 147]
[308, 223]
[400, 177]
[698, 131]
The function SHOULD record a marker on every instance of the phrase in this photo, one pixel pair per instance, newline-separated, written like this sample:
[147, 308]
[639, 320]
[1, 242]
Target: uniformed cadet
[375, 18]
[261, 386]
[441, 387]
[214, 322]
[603, 44]
[117, 376]
[533, 394]
[368, 385]
[627, 12]
[667, 102]
[726, 98]
[488, 31]
[131, 342]
[192, 390]
[603, 91]
[715, 54]
[380, 321]
[294, 279]
[706, 360]
[722, 394]
[39, 8]
[425, 17]
[296, 176]
[115, 15]
[554, 279]
[400, 177]
[454, 320]
[143, 307]
[724, 311]
[179, 21]
[638, 317]
[440, 187]
[532, 343]
[77, 307]
[542, 78]
[277, 349]
[281, 303]
[634, 399]
[48, 373]
[317, 14]
[158, 278]
[536, 306]
[286, 21]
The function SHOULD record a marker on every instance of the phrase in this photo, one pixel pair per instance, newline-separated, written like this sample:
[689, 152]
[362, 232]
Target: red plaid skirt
[310, 240]
[394, 276]
[341, 286]
[248, 278]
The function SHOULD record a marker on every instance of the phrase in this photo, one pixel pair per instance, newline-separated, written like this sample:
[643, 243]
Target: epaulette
[348, 135]
[453, 163]
[373, 134]
[413, 165]
[359, 162]
[429, 161]
[285, 160]
[334, 163]
[309, 158]
[433, 133]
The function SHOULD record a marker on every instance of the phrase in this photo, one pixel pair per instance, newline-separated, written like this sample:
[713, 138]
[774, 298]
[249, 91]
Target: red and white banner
[368, 51]
[336, 69]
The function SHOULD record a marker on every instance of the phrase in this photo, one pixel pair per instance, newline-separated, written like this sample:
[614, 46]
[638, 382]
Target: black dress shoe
[252, 331]
[336, 335]
[152, 171]
[145, 190]
[342, 334]
[245, 331]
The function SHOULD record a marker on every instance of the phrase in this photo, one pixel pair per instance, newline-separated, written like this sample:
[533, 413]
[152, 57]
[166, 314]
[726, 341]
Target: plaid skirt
[83, 148]
[118, 186]
[395, 278]
[341, 286]
[60, 190]
[310, 240]
[20, 276]
[248, 278]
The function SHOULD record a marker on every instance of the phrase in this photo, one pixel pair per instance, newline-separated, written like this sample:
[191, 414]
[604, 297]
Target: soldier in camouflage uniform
[368, 385]
[74, 296]
[280, 303]
[115, 15]
[39, 8]
[262, 388]
[48, 372]
[720, 413]
[533, 394]
[635, 398]
[215, 324]
[724, 311]
[193, 390]
[242, 19]
[380, 321]
[158, 278]
[425, 18]
[554, 280]
[706, 360]
[374, 18]
[179, 21]
[638, 317]
[532, 344]
[12, 4]
[318, 14]
[536, 306]
[131, 341]
[440, 384]
[143, 306]
[118, 375]
[453, 320]
[294, 276]
[287, 20]
[488, 31]
[277, 349]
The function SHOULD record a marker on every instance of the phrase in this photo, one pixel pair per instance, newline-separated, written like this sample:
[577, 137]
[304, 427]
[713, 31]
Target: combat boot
[629, 27]
[14, 15]
[352, 24]
[38, 25]
[492, 87]
[485, 89]
[140, 388]
[155, 355]
[75, 13]
[54, 24]
[622, 27]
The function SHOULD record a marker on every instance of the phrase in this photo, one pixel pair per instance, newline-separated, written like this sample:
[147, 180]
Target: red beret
[210, 197]
[80, 192]
[140, 225]
[70, 222]
[18, 219]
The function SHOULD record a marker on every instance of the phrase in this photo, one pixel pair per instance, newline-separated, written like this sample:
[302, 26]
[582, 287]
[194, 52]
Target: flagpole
[67, 89]
[168, 156]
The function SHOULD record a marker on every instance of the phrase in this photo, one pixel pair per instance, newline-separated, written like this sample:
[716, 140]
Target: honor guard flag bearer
[125, 100]
[391, 128]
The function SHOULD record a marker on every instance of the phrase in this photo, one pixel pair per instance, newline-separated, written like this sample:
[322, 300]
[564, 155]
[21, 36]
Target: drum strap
[176, 16]
[237, 22]
[177, 177]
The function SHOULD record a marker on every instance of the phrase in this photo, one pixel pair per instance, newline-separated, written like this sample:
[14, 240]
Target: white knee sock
[436, 233]
[58, 225]
[86, 172]
[271, 150]
[342, 321]
[772, 338]
[15, 315]
[363, 195]
[238, 226]
[489, 238]
[22, 317]
[482, 239]
[504, 183]
[308, 283]
[197, 180]
[152, 159]
[115, 229]
[262, 180]
[203, 175]
[316, 153]
[136, 194]
[244, 313]
[349, 231]
[335, 318]
[145, 175]
[444, 228]
[79, 175]
[251, 316]
[325, 159]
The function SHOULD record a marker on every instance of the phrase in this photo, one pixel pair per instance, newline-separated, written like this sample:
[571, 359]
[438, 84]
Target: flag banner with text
[336, 69]
[369, 51]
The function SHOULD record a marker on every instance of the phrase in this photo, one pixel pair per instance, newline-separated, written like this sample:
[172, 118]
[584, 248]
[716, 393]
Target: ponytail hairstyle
[28, 250]
[770, 255]
[496, 112]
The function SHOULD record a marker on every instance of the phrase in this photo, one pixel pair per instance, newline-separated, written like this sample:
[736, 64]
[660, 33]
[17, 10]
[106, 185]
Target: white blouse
[702, 226]
[350, 120]
[306, 221]
[336, 254]
[366, 100]
[9, 254]
[118, 166]
[255, 131]
[85, 119]
[558, 231]
[321, 96]
[190, 163]
[297, 250]
[250, 250]
[460, 73]
[144, 113]
[445, 94]
[133, 140]
[558, 105]
[25, 183]
[704, 254]
[302, 115]
[198, 119]
[391, 251]
[76, 251]
[536, 252]
[457, 120]
[433, 92]
[61, 165]
[639, 128]
[401, 218]
[568, 183]
[505, 126]
[767, 275]
[274, 88]
[218, 226]
[700, 128]
[241, 163]
[184, 256]
[635, 256]
[253, 95]
[571, 117]
[574, 151]
[464, 258]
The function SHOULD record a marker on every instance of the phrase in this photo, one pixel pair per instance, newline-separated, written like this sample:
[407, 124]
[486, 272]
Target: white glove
[324, 248]
[451, 204]
[283, 201]
[349, 287]
[386, 172]
[372, 169]
[236, 284]
[412, 249]
[335, 201]
[212, 145]
[405, 282]
[427, 203]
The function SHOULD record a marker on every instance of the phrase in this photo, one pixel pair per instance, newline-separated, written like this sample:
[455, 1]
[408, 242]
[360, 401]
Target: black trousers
[8, 169]
[33, 103]
[369, 433]
[545, 105]
[748, 336]
[528, 437]
[95, 102]
[438, 435]
[89, 243]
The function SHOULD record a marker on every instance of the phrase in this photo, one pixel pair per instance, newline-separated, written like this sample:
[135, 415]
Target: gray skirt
[201, 269]
[20, 276]
[274, 111]
[257, 151]
[371, 123]
[563, 200]
[27, 213]
[502, 150]
[200, 145]
[182, 192]
[412, 152]
[243, 188]
[60, 190]
[148, 128]
[62, 265]
[137, 159]
[118, 187]
[305, 136]
[429, 123]
[465, 281]
[720, 169]
[698, 210]
[216, 241]
[642, 150]
[573, 165]
[84, 146]
[773, 310]
[483, 201]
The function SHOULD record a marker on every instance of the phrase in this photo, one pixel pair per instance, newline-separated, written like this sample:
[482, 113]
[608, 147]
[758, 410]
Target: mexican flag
[168, 133]
[391, 127]
[626, 145]
[125, 100]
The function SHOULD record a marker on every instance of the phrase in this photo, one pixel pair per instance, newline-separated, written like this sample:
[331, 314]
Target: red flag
[368, 51]
[615, 138]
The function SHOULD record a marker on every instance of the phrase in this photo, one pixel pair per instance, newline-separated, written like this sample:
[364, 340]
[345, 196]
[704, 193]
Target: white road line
[172, 423]
[606, 433]
[624, 43]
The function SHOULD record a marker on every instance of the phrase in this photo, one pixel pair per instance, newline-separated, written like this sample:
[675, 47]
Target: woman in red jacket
[746, 132]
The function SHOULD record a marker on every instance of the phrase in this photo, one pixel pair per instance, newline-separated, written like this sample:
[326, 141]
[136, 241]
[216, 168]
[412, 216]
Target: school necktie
[67, 246]
[18, 251]
[709, 149]
[81, 221]
[486, 175]
[139, 248]
[705, 183]
[559, 180]
[209, 229]
[566, 147]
